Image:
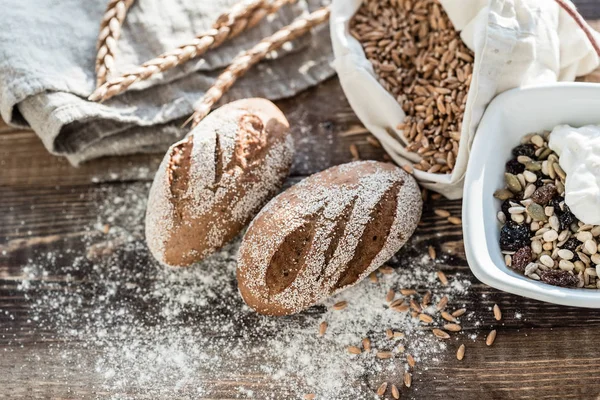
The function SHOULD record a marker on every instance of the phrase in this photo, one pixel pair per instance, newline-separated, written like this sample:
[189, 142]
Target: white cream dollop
[579, 156]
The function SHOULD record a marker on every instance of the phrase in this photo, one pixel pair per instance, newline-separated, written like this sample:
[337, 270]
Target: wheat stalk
[110, 30]
[242, 16]
[244, 61]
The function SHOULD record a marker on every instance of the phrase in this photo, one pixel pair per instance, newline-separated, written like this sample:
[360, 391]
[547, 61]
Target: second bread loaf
[325, 234]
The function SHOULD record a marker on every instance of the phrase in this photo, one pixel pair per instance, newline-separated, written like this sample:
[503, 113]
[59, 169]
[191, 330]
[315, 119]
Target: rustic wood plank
[589, 9]
[4, 127]
[536, 355]
[520, 365]
[62, 216]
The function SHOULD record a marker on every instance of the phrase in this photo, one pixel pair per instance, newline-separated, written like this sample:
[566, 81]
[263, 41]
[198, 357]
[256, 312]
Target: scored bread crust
[325, 234]
[212, 183]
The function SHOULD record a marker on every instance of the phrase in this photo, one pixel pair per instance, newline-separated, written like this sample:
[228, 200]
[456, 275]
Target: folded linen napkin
[47, 60]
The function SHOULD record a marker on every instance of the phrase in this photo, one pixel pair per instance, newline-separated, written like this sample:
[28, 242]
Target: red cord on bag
[582, 24]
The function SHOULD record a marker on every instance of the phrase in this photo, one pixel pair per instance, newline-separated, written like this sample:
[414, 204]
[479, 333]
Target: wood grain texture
[542, 351]
[590, 9]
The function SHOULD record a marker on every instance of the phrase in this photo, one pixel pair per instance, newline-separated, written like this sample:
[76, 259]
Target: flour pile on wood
[140, 329]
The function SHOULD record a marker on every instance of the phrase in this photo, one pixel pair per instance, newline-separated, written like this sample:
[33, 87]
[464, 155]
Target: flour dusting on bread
[325, 234]
[211, 184]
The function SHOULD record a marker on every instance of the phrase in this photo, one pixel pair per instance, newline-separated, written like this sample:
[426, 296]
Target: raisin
[505, 206]
[571, 244]
[539, 183]
[566, 218]
[559, 278]
[555, 202]
[544, 194]
[521, 258]
[514, 236]
[514, 167]
[524, 150]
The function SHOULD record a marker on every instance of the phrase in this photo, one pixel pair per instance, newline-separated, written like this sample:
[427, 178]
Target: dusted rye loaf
[215, 180]
[325, 234]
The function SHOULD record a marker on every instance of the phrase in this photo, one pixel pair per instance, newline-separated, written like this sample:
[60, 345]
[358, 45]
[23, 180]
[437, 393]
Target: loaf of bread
[215, 180]
[325, 234]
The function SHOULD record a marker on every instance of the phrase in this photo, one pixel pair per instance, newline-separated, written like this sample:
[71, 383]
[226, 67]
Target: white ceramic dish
[507, 119]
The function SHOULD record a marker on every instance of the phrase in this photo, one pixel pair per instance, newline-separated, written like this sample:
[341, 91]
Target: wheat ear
[242, 16]
[110, 30]
[244, 61]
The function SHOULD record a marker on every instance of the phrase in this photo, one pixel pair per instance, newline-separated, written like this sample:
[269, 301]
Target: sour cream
[579, 156]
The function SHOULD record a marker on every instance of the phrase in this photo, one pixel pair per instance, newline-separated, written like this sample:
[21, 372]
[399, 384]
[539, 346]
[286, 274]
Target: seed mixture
[421, 60]
[138, 328]
[540, 237]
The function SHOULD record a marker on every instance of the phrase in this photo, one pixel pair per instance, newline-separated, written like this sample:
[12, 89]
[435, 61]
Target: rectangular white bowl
[507, 119]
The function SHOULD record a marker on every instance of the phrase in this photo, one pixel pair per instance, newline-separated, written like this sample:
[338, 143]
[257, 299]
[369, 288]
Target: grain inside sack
[421, 60]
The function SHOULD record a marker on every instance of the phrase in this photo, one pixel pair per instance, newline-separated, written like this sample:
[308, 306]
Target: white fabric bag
[516, 43]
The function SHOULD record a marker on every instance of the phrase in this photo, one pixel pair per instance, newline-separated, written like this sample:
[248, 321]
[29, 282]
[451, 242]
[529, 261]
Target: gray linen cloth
[47, 56]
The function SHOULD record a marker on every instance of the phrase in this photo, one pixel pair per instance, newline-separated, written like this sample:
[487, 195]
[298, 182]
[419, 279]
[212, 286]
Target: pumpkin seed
[536, 212]
[513, 183]
[503, 194]
[533, 166]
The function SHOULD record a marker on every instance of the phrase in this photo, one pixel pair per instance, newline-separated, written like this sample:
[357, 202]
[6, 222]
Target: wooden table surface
[46, 206]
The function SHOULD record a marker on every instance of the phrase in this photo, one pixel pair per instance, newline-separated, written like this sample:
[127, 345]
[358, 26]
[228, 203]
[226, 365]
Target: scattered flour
[179, 332]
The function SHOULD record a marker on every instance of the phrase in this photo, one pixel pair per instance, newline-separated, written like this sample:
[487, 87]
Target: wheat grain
[442, 278]
[491, 337]
[110, 31]
[459, 312]
[427, 319]
[309, 396]
[407, 379]
[442, 213]
[397, 302]
[432, 253]
[354, 350]
[497, 312]
[340, 305]
[447, 316]
[453, 327]
[390, 296]
[354, 152]
[460, 353]
[441, 305]
[411, 360]
[373, 277]
[455, 220]
[381, 389]
[323, 328]
[366, 343]
[440, 333]
[420, 59]
[386, 270]
[384, 355]
[395, 392]
[415, 306]
[401, 308]
[242, 16]
[243, 62]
